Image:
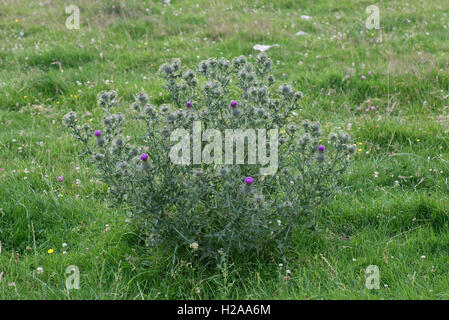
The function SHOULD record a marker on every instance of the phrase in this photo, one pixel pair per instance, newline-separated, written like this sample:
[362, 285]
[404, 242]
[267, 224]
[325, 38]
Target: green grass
[393, 212]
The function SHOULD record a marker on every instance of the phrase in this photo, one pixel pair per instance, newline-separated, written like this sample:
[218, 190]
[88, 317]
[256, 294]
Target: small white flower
[423, 257]
[264, 47]
[301, 33]
[194, 246]
[40, 270]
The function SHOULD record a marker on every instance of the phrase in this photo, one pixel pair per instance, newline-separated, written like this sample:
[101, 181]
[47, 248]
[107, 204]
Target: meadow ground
[393, 212]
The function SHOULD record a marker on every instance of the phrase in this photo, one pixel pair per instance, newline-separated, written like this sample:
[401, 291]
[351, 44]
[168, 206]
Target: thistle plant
[212, 208]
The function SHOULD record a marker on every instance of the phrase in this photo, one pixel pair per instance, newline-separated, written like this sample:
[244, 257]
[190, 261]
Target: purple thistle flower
[233, 103]
[97, 133]
[144, 157]
[363, 77]
[367, 109]
[189, 104]
[321, 148]
[373, 108]
[347, 77]
[249, 181]
[60, 179]
[369, 73]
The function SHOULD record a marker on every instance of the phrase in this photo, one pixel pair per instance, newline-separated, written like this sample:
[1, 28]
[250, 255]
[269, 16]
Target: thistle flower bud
[118, 142]
[270, 80]
[332, 137]
[306, 138]
[188, 75]
[112, 95]
[176, 65]
[102, 103]
[122, 165]
[204, 113]
[343, 137]
[224, 64]
[97, 133]
[258, 197]
[180, 114]
[306, 124]
[149, 110]
[203, 66]
[165, 131]
[260, 112]
[107, 120]
[198, 172]
[298, 95]
[223, 172]
[135, 106]
[100, 141]
[191, 116]
[321, 148]
[236, 112]
[320, 157]
[133, 152]
[315, 126]
[119, 117]
[98, 156]
[285, 89]
[145, 165]
[166, 69]
[164, 108]
[171, 117]
[292, 128]
[69, 118]
[351, 149]
[104, 96]
[189, 104]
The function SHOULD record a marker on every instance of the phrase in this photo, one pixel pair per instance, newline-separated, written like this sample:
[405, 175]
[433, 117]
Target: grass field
[393, 212]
